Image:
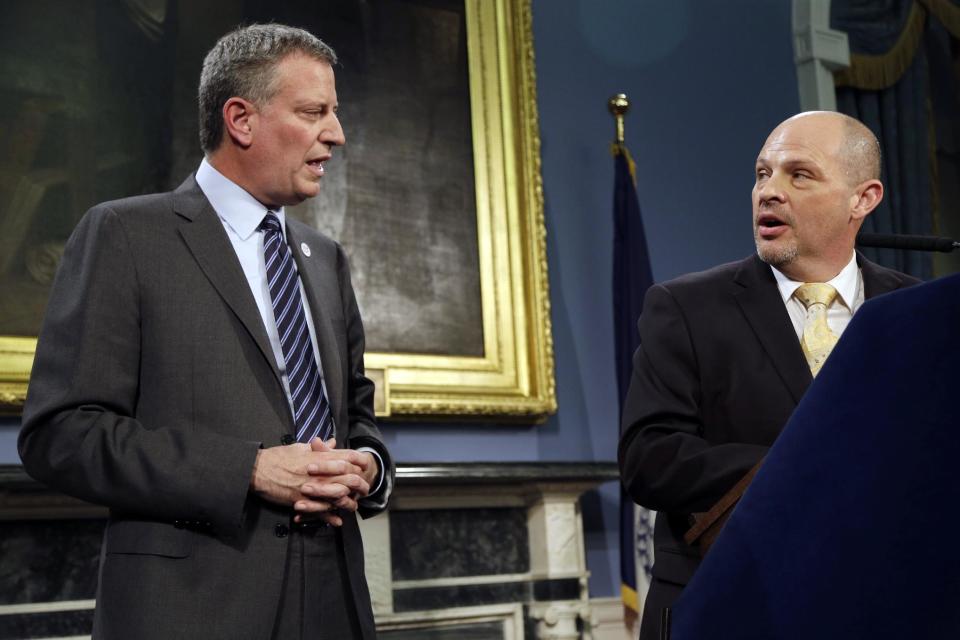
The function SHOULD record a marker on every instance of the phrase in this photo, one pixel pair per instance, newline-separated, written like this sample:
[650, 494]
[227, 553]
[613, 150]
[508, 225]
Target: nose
[333, 133]
[770, 189]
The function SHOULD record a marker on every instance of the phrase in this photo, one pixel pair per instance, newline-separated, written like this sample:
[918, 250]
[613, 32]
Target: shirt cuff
[380, 474]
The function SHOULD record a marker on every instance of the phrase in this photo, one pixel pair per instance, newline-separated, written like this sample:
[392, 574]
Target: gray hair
[243, 64]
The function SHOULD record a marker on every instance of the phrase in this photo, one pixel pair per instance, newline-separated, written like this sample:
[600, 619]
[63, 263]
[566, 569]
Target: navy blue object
[311, 411]
[632, 277]
[849, 529]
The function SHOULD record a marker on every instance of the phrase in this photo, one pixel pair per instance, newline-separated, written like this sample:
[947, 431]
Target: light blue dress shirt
[241, 214]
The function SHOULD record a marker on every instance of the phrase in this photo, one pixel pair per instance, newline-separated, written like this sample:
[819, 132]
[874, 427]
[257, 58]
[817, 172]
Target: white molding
[49, 607]
[818, 52]
[556, 536]
[607, 621]
[558, 619]
[462, 581]
[606, 615]
[378, 564]
[510, 615]
[46, 607]
[494, 578]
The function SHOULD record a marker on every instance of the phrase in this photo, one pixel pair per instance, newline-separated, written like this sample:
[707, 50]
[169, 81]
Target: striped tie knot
[270, 222]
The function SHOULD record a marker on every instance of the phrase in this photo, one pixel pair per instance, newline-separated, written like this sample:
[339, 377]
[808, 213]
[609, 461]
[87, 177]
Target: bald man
[721, 364]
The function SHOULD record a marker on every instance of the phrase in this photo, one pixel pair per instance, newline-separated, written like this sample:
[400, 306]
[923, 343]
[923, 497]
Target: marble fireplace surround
[467, 550]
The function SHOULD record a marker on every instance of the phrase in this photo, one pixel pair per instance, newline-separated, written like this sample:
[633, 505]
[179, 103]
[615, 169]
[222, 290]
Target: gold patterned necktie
[817, 340]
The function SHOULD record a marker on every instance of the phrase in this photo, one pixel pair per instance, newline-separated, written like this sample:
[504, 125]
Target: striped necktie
[311, 411]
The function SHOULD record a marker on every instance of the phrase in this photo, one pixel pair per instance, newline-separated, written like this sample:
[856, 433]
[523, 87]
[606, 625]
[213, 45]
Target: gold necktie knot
[815, 293]
[817, 340]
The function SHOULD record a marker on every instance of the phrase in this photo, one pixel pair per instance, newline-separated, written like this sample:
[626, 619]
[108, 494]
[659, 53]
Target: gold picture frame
[16, 360]
[514, 377]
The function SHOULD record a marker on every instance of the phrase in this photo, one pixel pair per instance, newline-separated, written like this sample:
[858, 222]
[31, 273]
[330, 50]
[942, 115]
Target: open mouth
[769, 220]
[770, 226]
[316, 166]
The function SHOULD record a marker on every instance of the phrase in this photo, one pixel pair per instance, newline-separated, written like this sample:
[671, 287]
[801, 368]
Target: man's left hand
[319, 508]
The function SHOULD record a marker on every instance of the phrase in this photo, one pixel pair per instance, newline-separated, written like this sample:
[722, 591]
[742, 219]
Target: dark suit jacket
[153, 387]
[717, 375]
[847, 530]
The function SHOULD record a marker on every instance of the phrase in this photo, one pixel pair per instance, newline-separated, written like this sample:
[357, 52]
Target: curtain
[887, 87]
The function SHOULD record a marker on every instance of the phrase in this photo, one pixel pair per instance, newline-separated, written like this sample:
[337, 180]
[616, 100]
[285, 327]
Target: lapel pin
[305, 249]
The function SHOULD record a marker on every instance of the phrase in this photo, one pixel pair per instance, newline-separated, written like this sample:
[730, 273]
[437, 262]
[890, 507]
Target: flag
[632, 277]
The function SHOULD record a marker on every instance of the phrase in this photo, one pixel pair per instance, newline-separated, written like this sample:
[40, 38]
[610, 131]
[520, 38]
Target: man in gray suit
[200, 372]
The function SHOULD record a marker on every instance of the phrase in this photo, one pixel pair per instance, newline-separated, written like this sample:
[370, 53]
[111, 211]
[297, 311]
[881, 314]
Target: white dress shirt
[849, 286]
[241, 214]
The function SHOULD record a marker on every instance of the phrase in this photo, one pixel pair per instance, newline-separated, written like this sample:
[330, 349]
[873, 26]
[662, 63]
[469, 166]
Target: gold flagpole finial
[618, 106]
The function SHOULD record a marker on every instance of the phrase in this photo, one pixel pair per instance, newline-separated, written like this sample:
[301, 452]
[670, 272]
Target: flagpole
[618, 106]
[631, 277]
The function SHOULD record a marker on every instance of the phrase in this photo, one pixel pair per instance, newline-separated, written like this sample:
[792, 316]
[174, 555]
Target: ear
[239, 116]
[865, 199]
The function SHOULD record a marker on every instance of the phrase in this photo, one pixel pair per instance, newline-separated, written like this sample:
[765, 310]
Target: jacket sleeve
[667, 461]
[80, 433]
[360, 389]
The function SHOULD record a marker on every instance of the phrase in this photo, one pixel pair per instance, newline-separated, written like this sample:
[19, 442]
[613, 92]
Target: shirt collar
[846, 283]
[236, 207]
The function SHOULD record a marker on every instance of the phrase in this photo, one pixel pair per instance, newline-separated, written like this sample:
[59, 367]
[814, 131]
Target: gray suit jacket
[154, 385]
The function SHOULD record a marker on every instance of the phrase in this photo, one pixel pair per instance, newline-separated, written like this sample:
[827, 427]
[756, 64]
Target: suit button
[281, 530]
[287, 439]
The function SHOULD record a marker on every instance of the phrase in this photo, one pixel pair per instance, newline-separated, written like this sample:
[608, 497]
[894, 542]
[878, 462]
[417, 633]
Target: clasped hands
[316, 479]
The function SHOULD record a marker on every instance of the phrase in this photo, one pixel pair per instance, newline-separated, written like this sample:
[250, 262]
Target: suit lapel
[321, 287]
[876, 280]
[759, 299]
[205, 237]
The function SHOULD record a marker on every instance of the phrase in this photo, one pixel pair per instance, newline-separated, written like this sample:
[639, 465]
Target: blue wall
[707, 82]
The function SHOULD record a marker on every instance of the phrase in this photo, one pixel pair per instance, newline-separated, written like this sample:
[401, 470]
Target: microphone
[908, 243]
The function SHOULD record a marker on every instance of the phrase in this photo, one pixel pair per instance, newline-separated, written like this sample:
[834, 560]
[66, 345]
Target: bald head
[816, 181]
[857, 149]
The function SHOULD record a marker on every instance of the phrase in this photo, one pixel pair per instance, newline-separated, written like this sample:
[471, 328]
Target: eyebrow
[792, 163]
[310, 104]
